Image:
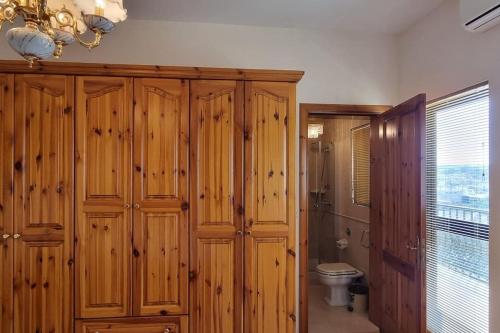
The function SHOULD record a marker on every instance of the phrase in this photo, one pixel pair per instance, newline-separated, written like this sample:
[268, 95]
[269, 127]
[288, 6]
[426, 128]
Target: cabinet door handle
[16, 236]
[239, 233]
[137, 206]
[413, 247]
[5, 236]
[167, 330]
[126, 206]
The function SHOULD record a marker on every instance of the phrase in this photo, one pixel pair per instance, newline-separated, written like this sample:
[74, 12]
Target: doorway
[396, 216]
[334, 226]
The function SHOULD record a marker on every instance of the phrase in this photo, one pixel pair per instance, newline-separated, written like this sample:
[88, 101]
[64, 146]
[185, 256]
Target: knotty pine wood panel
[43, 154]
[103, 190]
[161, 260]
[161, 116]
[217, 210]
[6, 200]
[215, 308]
[41, 300]
[270, 207]
[43, 203]
[214, 107]
[160, 175]
[134, 325]
[270, 112]
[267, 264]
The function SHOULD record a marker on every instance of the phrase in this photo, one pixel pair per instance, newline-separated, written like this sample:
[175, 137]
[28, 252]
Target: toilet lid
[336, 269]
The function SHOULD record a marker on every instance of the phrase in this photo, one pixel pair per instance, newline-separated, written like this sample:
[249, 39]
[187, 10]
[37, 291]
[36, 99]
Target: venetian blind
[361, 165]
[457, 150]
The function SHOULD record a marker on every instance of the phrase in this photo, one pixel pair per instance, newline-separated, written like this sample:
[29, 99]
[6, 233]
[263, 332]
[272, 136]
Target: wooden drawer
[134, 325]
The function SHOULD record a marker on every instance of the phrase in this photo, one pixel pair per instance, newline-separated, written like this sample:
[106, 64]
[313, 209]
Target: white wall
[340, 67]
[438, 57]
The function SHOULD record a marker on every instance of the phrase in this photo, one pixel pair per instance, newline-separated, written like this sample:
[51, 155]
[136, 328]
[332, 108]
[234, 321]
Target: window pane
[360, 138]
[457, 151]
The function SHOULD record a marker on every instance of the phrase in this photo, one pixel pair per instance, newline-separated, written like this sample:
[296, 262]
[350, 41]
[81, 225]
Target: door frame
[307, 110]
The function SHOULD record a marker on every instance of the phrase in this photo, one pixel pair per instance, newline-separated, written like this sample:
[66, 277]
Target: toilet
[337, 277]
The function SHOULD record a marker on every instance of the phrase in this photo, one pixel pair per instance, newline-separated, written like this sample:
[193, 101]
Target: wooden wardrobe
[147, 199]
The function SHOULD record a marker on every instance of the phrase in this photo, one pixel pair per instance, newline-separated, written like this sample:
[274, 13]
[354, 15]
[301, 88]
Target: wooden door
[103, 196]
[397, 273]
[161, 153]
[270, 207]
[43, 203]
[217, 211]
[6, 200]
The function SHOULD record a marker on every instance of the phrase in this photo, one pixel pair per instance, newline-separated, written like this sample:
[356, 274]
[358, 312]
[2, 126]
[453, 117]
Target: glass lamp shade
[97, 22]
[30, 42]
[63, 36]
[112, 9]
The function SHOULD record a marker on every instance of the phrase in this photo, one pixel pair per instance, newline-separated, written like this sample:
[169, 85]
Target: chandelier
[52, 24]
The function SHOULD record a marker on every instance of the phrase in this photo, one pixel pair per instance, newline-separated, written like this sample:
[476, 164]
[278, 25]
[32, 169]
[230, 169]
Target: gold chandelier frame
[55, 23]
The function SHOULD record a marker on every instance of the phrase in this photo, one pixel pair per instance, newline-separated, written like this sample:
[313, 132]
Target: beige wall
[340, 67]
[438, 56]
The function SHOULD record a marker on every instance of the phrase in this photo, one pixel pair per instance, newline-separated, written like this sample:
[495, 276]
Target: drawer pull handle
[168, 330]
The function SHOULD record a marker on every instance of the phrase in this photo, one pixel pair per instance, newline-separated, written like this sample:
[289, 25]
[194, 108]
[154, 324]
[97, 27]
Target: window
[360, 139]
[458, 212]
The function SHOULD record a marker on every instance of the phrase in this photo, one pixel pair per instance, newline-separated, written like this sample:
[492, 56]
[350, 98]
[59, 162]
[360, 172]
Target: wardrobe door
[160, 175]
[6, 200]
[216, 201]
[103, 189]
[43, 203]
[270, 207]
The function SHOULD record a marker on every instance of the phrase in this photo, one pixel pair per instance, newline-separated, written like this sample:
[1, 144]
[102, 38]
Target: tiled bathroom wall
[336, 216]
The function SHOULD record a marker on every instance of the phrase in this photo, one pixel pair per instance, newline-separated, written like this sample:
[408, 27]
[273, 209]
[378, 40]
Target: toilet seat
[336, 269]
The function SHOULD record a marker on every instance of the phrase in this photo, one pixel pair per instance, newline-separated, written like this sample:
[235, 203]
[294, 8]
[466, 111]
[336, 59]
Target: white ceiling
[377, 16]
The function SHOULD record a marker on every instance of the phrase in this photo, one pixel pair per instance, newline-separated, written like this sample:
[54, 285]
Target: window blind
[361, 165]
[457, 150]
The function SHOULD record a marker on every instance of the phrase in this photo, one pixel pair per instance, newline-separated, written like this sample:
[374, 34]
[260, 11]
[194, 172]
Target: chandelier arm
[91, 44]
[66, 19]
[7, 12]
[41, 9]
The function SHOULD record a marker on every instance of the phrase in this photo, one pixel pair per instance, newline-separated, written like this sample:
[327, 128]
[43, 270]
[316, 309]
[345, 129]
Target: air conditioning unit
[480, 15]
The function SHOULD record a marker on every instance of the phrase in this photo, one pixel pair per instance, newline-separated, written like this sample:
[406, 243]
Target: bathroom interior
[339, 224]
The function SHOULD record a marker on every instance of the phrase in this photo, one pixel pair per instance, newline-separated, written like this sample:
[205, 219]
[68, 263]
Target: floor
[326, 319]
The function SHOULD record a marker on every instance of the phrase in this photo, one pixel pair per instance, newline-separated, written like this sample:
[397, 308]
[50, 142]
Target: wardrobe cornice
[203, 73]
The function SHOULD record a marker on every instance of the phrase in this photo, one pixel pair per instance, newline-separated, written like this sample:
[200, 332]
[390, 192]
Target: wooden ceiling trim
[205, 73]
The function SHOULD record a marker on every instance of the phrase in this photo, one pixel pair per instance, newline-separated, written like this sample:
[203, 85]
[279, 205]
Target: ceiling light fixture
[314, 130]
[48, 30]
